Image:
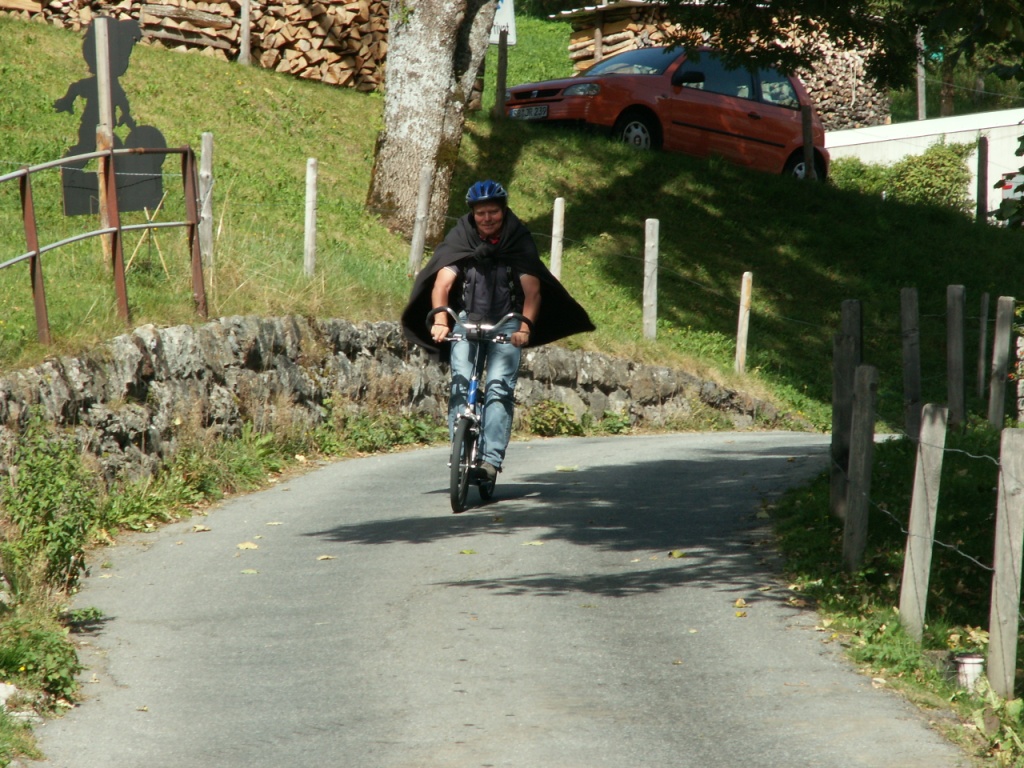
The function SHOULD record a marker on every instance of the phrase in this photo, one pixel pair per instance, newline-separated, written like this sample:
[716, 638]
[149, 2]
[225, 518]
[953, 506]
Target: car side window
[777, 89]
[718, 79]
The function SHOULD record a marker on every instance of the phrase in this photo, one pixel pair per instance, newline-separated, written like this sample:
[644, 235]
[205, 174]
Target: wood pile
[842, 94]
[341, 42]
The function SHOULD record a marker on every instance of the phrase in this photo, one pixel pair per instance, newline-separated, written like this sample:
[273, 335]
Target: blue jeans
[498, 380]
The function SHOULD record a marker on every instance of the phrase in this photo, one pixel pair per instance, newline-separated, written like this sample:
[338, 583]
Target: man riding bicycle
[486, 267]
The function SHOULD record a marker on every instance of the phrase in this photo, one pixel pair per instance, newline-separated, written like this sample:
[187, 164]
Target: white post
[206, 200]
[1004, 615]
[650, 313]
[106, 105]
[557, 236]
[746, 287]
[309, 251]
[923, 504]
[244, 43]
[419, 227]
[105, 127]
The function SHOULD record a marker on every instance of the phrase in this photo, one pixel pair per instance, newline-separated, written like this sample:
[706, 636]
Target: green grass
[859, 608]
[809, 247]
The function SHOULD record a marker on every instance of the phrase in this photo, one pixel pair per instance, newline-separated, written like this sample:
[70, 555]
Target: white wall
[885, 144]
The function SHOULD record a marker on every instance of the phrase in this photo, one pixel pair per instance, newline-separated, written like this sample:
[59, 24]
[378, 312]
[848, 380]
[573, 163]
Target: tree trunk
[948, 88]
[436, 47]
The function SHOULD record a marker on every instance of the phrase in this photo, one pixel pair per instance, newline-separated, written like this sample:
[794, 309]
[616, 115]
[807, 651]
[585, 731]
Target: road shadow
[675, 522]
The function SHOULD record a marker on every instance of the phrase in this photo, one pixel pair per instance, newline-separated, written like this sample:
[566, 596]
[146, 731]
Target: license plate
[529, 113]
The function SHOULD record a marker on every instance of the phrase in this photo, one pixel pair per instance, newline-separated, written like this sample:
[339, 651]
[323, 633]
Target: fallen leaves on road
[677, 553]
[467, 551]
[250, 571]
[326, 557]
[248, 545]
[740, 603]
[533, 543]
[566, 469]
[199, 529]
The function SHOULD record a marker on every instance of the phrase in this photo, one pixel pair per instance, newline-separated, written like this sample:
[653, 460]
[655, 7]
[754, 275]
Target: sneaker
[488, 472]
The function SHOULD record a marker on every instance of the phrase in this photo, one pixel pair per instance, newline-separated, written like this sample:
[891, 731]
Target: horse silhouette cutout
[139, 177]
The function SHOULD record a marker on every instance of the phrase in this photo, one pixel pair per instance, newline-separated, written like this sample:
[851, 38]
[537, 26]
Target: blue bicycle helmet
[486, 192]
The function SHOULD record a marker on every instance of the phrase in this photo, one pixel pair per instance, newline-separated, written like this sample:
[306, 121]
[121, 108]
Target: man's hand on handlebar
[439, 330]
[520, 338]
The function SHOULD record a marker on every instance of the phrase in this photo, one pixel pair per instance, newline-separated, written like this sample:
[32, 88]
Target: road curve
[347, 618]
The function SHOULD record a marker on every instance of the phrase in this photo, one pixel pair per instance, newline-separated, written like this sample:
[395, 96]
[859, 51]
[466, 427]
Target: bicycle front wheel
[461, 461]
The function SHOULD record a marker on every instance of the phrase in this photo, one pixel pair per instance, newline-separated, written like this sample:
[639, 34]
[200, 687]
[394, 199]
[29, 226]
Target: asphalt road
[371, 627]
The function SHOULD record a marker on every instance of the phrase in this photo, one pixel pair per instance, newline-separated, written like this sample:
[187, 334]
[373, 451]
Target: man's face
[488, 218]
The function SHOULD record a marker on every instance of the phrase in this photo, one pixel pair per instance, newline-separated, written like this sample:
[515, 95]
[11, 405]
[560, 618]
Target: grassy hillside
[808, 246]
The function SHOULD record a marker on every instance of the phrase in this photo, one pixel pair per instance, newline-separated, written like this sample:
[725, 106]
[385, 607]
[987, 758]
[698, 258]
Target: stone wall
[129, 399]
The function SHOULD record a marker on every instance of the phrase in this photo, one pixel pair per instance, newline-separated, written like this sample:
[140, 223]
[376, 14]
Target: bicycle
[464, 461]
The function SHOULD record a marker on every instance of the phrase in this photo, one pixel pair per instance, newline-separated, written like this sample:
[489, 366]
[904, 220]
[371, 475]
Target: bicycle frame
[464, 460]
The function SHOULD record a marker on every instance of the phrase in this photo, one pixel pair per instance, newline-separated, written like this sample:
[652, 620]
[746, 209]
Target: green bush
[938, 176]
[51, 502]
[39, 656]
[854, 174]
[551, 419]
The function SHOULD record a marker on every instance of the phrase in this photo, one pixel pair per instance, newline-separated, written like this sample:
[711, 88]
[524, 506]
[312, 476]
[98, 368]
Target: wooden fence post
[1004, 616]
[104, 131]
[498, 112]
[557, 237]
[1000, 361]
[955, 295]
[923, 503]
[911, 332]
[309, 245]
[862, 451]
[245, 24]
[981, 211]
[983, 345]
[846, 356]
[746, 287]
[419, 227]
[810, 172]
[206, 200]
[650, 314]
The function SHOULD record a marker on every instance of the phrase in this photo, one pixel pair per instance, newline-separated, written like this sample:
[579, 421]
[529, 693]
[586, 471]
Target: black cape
[560, 315]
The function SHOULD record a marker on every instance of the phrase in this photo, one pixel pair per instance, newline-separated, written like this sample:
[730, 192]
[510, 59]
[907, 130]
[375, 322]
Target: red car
[659, 98]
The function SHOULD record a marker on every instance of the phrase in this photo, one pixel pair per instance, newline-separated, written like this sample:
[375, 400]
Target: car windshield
[642, 61]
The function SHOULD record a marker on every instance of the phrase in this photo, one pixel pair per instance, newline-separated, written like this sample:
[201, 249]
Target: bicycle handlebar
[477, 331]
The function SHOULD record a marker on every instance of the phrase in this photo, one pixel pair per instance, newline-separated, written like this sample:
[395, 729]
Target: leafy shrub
[854, 174]
[39, 656]
[938, 176]
[382, 431]
[551, 419]
[613, 423]
[51, 504]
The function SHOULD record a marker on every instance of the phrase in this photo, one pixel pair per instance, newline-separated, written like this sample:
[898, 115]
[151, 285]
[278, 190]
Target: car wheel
[638, 130]
[797, 168]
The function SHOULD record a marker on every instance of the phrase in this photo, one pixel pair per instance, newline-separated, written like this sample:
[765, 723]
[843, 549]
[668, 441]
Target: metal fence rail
[111, 218]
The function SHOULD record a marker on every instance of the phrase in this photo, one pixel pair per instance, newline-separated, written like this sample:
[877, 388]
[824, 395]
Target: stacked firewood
[843, 96]
[341, 42]
[613, 31]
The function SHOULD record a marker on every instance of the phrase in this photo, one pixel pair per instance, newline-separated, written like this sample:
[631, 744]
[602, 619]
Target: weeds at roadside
[860, 608]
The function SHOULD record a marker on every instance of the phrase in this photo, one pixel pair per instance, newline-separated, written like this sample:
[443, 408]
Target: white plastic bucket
[969, 669]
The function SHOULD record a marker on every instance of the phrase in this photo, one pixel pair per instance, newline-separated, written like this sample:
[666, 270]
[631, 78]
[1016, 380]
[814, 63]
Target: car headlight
[583, 89]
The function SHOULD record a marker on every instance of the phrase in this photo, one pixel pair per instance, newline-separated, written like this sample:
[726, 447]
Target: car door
[709, 108]
[778, 129]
